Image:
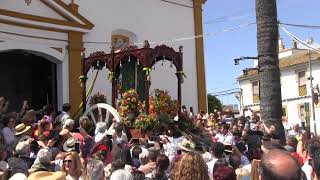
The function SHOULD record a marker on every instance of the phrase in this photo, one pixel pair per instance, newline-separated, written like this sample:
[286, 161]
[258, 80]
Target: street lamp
[237, 60]
[309, 42]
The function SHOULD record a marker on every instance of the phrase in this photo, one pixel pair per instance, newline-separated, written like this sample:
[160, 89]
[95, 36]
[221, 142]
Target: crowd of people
[43, 144]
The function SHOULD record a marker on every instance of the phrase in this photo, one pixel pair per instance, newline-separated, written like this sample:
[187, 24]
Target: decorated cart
[135, 102]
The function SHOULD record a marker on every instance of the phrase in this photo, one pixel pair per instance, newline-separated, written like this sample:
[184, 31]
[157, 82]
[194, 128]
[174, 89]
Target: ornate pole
[146, 91]
[147, 70]
[83, 80]
[113, 79]
[179, 76]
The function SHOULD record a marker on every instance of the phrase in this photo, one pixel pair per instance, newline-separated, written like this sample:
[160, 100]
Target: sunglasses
[67, 161]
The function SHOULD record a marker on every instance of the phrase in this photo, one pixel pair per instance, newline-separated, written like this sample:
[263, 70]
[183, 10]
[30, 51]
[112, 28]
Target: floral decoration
[128, 104]
[162, 103]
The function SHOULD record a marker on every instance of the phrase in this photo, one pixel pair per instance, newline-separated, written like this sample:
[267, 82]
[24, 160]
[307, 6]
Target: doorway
[26, 76]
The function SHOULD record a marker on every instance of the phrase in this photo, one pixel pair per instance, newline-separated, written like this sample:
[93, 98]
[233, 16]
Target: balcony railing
[256, 99]
[303, 90]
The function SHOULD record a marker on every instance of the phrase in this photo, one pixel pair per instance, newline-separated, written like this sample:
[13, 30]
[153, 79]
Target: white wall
[246, 87]
[151, 20]
[35, 8]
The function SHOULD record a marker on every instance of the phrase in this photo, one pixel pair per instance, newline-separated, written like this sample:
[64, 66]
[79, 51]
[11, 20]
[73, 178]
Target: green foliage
[213, 103]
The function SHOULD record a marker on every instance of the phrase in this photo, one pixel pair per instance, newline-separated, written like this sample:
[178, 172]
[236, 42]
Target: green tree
[213, 103]
[270, 88]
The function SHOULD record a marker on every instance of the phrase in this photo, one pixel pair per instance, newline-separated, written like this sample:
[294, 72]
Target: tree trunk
[270, 88]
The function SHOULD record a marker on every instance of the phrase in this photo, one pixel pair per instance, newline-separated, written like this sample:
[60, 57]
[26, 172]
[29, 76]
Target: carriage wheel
[105, 112]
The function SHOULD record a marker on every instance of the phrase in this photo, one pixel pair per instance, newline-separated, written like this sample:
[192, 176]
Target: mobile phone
[179, 152]
[135, 140]
[77, 147]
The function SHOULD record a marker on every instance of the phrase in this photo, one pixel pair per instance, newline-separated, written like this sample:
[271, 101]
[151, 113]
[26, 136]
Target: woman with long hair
[191, 166]
[162, 164]
[72, 166]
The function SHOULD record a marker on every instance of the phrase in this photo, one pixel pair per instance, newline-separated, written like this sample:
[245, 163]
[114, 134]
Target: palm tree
[270, 88]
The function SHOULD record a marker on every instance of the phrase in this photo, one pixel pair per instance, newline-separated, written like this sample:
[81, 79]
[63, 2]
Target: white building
[295, 86]
[41, 42]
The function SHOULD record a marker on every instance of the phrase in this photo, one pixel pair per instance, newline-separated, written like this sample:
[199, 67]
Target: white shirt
[210, 165]
[226, 139]
[307, 169]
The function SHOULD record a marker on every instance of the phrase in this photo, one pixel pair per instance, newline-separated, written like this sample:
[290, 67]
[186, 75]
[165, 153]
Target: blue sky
[221, 49]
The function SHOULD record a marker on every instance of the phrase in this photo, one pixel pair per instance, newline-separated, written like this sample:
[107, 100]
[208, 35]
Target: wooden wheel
[102, 112]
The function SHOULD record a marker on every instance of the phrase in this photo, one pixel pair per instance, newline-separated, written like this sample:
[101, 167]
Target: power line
[228, 19]
[299, 40]
[301, 25]
[226, 94]
[236, 15]
[217, 92]
[140, 43]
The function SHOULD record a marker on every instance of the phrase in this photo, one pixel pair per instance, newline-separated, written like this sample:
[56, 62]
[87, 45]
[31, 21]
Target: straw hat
[70, 144]
[65, 133]
[227, 148]
[45, 175]
[21, 128]
[186, 145]
[18, 176]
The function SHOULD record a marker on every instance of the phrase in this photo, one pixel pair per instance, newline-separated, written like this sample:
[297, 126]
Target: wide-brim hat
[45, 175]
[18, 176]
[21, 128]
[65, 133]
[226, 149]
[186, 145]
[70, 144]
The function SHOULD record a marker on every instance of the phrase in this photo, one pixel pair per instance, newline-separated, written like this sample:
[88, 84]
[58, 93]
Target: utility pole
[269, 72]
[310, 41]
